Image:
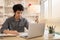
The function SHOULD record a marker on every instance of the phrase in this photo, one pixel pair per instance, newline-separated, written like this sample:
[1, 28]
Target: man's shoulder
[10, 18]
[24, 19]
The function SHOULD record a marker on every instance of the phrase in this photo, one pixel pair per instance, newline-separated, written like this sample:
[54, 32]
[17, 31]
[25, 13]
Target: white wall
[46, 10]
[55, 16]
[56, 8]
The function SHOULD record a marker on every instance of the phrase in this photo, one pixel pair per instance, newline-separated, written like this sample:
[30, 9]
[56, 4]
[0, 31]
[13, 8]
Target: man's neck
[16, 18]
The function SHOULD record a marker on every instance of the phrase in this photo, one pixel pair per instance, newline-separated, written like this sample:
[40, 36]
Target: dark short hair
[18, 7]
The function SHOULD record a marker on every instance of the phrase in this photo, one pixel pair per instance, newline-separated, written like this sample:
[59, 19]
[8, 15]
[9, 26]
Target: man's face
[18, 14]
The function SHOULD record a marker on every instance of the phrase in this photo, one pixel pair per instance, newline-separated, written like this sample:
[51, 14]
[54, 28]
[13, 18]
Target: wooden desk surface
[19, 38]
[45, 37]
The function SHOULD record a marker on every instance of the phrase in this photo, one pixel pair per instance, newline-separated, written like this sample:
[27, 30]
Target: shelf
[7, 11]
[1, 2]
[11, 2]
[1, 6]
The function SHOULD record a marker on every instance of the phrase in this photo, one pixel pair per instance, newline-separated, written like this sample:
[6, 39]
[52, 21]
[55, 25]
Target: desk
[45, 37]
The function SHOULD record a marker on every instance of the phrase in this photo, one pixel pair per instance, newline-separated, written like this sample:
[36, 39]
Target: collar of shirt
[13, 18]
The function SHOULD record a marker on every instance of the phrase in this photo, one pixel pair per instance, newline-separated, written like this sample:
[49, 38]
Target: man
[15, 24]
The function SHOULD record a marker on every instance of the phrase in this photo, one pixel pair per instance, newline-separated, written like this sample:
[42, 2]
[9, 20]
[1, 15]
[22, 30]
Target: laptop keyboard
[23, 34]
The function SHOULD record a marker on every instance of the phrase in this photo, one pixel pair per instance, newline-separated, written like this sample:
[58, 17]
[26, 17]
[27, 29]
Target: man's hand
[10, 32]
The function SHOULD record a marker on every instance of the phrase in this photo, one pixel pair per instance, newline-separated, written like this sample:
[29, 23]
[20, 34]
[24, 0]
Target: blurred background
[41, 11]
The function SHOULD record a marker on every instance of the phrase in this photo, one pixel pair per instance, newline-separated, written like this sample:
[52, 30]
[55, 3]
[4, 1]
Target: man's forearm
[10, 32]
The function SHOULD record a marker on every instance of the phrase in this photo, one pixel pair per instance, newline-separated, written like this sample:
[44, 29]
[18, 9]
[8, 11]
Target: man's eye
[18, 12]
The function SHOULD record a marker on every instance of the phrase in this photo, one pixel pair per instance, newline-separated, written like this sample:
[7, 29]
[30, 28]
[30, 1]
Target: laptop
[35, 30]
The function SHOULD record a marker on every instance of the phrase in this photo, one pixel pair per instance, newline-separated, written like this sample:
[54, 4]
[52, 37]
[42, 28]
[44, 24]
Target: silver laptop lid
[36, 30]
